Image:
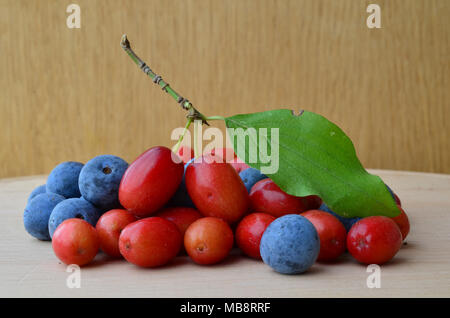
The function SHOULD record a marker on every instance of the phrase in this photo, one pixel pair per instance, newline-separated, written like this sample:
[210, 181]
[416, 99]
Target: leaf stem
[215, 118]
[197, 126]
[157, 79]
[180, 140]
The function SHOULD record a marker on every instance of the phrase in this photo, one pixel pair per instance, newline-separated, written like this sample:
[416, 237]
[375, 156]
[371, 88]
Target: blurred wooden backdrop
[71, 94]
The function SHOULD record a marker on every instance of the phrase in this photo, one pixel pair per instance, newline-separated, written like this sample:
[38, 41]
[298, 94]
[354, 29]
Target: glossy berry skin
[312, 202]
[347, 222]
[63, 179]
[109, 227]
[100, 179]
[227, 154]
[250, 176]
[402, 222]
[290, 244]
[75, 241]
[374, 240]
[216, 189]
[150, 242]
[332, 234]
[73, 208]
[267, 197]
[37, 213]
[239, 165]
[182, 217]
[208, 240]
[249, 232]
[150, 181]
[36, 191]
[185, 153]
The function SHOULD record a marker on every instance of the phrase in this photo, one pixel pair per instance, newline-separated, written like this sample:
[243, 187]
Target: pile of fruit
[166, 204]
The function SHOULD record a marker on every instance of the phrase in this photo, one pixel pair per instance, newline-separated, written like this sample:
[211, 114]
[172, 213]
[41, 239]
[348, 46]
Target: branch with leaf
[315, 156]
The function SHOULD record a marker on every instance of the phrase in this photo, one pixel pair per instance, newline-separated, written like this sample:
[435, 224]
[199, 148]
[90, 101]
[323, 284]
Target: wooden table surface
[29, 268]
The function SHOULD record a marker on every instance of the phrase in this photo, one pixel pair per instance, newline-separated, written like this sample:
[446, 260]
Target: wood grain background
[71, 94]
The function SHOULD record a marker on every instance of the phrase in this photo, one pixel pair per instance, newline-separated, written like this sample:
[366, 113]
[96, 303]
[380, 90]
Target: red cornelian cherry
[150, 181]
[332, 234]
[249, 232]
[267, 197]
[216, 189]
[402, 222]
[181, 216]
[312, 202]
[109, 227]
[208, 240]
[150, 242]
[185, 153]
[228, 155]
[75, 241]
[374, 240]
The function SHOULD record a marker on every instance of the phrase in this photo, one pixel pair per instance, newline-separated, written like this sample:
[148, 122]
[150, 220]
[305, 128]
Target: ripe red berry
[216, 189]
[109, 227]
[208, 240]
[267, 197]
[239, 165]
[150, 242]
[228, 155]
[150, 181]
[181, 216]
[403, 223]
[332, 234]
[374, 240]
[75, 241]
[185, 153]
[312, 202]
[249, 232]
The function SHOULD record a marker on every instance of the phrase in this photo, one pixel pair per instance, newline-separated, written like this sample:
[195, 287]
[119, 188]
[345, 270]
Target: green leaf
[315, 158]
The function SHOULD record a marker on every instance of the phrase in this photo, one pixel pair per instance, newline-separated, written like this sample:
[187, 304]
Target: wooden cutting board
[29, 268]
